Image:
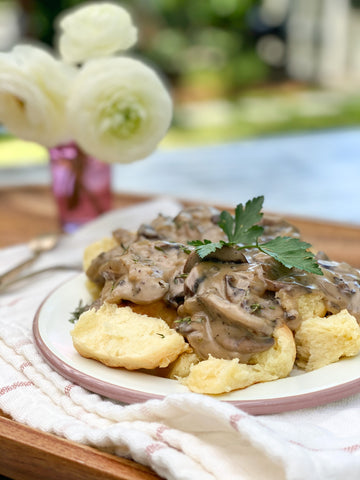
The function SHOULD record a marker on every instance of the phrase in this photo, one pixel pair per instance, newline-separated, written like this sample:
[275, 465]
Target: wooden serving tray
[30, 454]
[27, 453]
[30, 210]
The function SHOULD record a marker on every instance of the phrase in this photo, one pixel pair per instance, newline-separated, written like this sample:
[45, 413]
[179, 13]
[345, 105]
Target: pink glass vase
[81, 185]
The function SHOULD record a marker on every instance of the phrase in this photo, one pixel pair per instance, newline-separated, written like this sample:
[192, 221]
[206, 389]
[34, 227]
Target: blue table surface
[313, 175]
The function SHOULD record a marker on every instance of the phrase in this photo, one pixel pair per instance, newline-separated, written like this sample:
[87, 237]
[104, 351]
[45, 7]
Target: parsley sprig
[243, 231]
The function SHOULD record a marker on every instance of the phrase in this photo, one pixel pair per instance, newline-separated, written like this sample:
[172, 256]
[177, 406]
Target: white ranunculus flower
[95, 30]
[119, 109]
[33, 93]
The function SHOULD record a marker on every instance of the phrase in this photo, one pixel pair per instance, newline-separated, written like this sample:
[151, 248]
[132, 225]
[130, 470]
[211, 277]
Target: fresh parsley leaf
[251, 235]
[184, 249]
[242, 231]
[292, 252]
[242, 228]
[226, 224]
[246, 217]
[198, 243]
[204, 248]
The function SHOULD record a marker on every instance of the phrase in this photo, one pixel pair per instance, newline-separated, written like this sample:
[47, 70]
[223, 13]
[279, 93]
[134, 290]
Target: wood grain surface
[30, 454]
[29, 211]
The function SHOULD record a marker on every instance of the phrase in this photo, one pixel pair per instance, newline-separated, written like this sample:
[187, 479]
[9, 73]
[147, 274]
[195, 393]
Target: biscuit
[324, 340]
[182, 365]
[311, 305]
[216, 375]
[118, 337]
[94, 249]
[156, 309]
[279, 359]
[91, 252]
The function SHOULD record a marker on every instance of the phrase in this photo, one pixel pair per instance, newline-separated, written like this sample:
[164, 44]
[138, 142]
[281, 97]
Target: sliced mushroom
[148, 231]
[104, 262]
[224, 254]
[236, 314]
[124, 237]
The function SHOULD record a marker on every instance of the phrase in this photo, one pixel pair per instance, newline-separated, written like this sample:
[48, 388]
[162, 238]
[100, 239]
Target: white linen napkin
[182, 437]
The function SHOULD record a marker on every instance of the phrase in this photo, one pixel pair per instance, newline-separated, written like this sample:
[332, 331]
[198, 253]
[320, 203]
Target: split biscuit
[324, 340]
[95, 248]
[118, 337]
[216, 375]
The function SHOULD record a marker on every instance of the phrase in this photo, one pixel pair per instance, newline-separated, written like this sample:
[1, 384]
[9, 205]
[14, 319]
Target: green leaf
[198, 243]
[292, 252]
[75, 315]
[242, 229]
[251, 235]
[226, 223]
[204, 248]
[246, 217]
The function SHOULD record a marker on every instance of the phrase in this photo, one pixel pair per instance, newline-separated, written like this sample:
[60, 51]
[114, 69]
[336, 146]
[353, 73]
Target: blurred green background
[236, 68]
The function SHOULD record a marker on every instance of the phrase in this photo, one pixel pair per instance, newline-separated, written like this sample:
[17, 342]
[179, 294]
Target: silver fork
[38, 245]
[20, 278]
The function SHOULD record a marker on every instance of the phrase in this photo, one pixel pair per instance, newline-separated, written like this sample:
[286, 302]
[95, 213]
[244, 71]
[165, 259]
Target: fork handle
[20, 278]
[15, 271]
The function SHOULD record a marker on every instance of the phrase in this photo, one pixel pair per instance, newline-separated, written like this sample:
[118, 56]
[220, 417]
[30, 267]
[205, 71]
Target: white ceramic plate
[300, 390]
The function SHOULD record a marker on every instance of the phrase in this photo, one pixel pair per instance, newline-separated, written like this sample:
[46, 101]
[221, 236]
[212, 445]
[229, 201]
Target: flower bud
[95, 30]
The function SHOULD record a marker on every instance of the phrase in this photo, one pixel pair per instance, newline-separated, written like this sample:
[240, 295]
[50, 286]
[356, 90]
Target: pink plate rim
[127, 395]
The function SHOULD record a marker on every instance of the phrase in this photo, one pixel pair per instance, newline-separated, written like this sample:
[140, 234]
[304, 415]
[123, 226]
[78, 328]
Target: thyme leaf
[75, 315]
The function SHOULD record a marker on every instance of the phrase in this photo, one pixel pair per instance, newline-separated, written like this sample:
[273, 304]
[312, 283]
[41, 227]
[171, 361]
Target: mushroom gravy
[228, 304]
